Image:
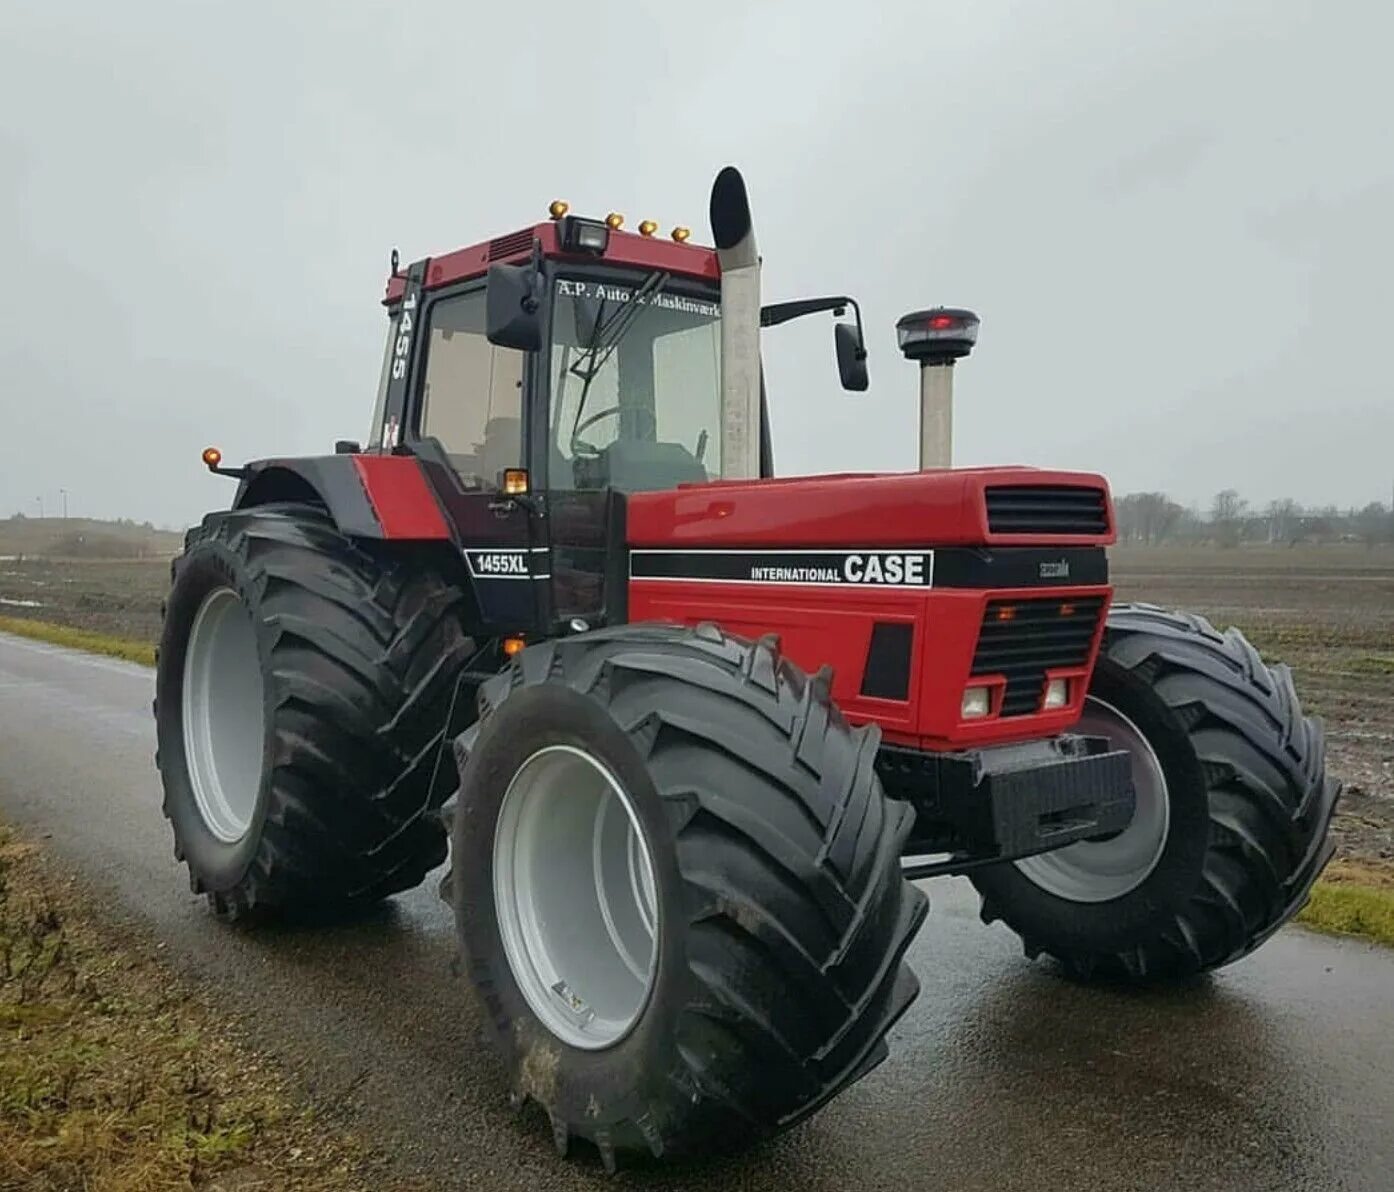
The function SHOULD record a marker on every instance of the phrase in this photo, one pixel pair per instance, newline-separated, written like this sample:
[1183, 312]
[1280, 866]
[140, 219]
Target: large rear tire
[749, 965]
[1231, 827]
[302, 692]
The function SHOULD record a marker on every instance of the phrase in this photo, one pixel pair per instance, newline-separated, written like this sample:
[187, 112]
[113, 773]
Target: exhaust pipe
[936, 339]
[734, 235]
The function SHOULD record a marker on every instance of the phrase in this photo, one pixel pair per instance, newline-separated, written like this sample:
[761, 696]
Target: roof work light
[583, 235]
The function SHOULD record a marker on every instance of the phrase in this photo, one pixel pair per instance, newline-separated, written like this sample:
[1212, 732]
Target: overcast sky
[1174, 219]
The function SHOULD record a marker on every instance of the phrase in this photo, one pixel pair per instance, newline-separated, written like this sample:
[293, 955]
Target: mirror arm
[784, 312]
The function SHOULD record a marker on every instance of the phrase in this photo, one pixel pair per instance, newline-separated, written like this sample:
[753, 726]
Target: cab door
[468, 425]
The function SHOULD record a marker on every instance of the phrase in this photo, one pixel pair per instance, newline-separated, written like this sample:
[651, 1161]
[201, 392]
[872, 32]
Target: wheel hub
[224, 702]
[574, 890]
[1102, 870]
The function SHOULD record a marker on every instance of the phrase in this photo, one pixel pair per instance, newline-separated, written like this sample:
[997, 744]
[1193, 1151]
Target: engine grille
[1046, 509]
[1022, 639]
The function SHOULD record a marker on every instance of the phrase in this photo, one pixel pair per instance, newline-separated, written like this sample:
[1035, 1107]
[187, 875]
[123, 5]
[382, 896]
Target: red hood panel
[942, 508]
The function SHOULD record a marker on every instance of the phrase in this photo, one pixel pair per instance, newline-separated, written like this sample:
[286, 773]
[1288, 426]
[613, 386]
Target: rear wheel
[302, 692]
[678, 890]
[1233, 810]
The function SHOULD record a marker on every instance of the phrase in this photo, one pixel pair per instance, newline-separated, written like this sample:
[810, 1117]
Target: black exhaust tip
[730, 209]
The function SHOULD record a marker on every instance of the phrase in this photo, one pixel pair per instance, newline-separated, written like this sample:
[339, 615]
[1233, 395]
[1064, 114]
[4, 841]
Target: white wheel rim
[1101, 870]
[224, 715]
[574, 891]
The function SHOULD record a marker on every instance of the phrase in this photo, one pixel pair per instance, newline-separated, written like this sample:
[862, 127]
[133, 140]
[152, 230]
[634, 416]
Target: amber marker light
[512, 645]
[647, 227]
[212, 457]
[614, 221]
[557, 208]
[681, 234]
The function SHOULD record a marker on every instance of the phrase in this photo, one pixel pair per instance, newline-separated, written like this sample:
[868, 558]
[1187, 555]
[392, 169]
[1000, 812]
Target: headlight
[977, 702]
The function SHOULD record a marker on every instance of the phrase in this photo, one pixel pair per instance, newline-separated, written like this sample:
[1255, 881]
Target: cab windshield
[635, 383]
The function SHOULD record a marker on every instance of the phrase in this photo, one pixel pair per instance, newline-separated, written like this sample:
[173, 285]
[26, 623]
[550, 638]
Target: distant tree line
[1154, 518]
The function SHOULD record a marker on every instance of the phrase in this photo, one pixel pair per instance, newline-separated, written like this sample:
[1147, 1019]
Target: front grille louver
[1046, 509]
[1022, 639]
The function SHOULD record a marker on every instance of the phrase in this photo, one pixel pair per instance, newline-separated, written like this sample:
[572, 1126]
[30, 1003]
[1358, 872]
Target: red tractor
[698, 727]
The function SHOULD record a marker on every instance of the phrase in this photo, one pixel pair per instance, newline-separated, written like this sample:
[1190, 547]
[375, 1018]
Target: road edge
[85, 640]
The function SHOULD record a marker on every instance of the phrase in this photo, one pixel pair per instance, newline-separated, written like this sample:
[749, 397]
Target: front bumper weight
[983, 806]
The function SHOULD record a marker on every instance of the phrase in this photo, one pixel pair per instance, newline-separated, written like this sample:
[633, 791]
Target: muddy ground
[1328, 611]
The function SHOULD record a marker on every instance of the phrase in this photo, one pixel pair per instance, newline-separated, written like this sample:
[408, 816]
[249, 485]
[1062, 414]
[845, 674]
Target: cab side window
[472, 394]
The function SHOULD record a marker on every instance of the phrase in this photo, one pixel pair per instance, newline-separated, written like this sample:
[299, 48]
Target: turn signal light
[515, 481]
[512, 645]
[212, 457]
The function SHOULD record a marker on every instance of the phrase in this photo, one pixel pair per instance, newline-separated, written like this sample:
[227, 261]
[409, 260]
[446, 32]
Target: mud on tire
[1249, 799]
[358, 655]
[782, 914]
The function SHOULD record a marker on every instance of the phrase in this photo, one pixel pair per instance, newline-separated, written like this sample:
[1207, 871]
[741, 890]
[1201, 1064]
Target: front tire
[302, 691]
[1234, 808]
[753, 968]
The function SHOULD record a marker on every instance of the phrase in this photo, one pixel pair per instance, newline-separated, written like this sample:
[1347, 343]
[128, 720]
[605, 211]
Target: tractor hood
[1012, 506]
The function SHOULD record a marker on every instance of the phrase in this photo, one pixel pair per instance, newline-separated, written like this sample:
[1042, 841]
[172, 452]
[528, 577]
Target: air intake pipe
[936, 339]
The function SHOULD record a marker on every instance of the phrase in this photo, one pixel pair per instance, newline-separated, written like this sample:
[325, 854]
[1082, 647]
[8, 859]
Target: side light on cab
[515, 482]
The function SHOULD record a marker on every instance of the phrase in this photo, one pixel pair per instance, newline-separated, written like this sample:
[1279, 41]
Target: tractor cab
[586, 355]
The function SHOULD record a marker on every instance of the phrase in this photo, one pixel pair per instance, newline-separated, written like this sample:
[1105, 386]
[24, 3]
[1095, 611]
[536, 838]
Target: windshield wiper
[608, 333]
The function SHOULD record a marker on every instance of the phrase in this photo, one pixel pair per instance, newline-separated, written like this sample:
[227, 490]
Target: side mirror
[851, 357]
[512, 306]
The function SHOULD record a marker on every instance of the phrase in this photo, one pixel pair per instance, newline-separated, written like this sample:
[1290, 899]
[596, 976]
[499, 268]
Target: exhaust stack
[936, 339]
[734, 235]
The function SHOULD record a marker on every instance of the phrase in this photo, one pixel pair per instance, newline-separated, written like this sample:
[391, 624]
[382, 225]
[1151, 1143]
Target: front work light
[583, 235]
[515, 481]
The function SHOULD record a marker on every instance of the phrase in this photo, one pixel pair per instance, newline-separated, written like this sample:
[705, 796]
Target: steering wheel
[579, 446]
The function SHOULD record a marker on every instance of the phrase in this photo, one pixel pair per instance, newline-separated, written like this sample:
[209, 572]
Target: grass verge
[80, 639]
[113, 1076]
[1353, 898]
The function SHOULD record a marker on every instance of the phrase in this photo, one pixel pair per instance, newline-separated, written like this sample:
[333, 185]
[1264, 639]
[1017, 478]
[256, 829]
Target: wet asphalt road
[1276, 1074]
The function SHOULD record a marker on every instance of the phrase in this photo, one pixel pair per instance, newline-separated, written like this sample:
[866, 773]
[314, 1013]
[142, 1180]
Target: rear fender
[382, 497]
[373, 498]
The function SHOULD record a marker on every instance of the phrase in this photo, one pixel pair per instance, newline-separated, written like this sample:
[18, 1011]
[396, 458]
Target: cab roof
[625, 248]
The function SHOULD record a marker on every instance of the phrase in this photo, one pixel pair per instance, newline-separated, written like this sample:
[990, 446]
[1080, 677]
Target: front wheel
[678, 888]
[1233, 811]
